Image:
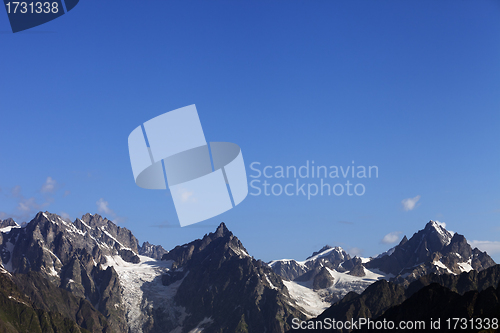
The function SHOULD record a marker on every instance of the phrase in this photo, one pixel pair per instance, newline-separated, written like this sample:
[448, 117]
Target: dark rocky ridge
[221, 281]
[59, 265]
[331, 257]
[388, 300]
[8, 223]
[152, 251]
[441, 304]
[70, 256]
[18, 312]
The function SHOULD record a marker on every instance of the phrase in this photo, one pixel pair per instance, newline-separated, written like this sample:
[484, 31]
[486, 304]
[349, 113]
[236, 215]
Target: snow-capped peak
[337, 249]
[439, 227]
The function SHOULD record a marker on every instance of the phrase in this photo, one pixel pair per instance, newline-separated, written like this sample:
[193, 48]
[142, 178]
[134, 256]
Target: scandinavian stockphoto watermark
[310, 180]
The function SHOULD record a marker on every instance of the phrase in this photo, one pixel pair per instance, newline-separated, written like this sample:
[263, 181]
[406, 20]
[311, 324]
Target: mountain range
[91, 275]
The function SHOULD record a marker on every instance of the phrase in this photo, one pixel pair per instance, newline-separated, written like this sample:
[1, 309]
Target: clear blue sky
[409, 86]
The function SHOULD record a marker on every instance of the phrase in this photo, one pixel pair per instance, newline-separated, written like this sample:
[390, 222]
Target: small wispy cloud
[345, 222]
[355, 251]
[49, 186]
[186, 195]
[28, 205]
[492, 247]
[65, 216]
[410, 203]
[103, 208]
[442, 224]
[16, 191]
[391, 237]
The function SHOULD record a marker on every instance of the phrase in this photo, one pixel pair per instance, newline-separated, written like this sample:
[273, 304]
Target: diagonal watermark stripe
[199, 190]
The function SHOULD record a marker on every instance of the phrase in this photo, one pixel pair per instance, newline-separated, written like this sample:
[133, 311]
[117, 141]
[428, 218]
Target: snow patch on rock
[143, 291]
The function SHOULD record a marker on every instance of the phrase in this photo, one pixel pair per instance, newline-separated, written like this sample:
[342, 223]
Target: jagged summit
[443, 234]
[9, 222]
[404, 240]
[222, 240]
[431, 250]
[222, 230]
[323, 249]
[152, 251]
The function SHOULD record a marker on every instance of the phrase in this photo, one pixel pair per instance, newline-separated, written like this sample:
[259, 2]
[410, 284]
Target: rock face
[152, 251]
[331, 273]
[334, 258]
[225, 290]
[288, 269]
[8, 223]
[442, 304]
[19, 313]
[45, 296]
[467, 295]
[91, 275]
[323, 279]
[70, 256]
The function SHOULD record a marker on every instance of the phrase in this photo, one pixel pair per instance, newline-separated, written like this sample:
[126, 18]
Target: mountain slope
[443, 304]
[388, 300]
[93, 275]
[324, 277]
[225, 290]
[51, 252]
[18, 314]
[330, 273]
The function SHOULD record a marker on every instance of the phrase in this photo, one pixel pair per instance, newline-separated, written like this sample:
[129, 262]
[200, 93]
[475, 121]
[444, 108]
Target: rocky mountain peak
[222, 240]
[8, 223]
[433, 227]
[95, 220]
[323, 249]
[152, 251]
[431, 250]
[222, 230]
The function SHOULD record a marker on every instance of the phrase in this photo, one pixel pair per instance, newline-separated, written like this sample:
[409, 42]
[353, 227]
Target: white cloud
[186, 195]
[16, 191]
[49, 186]
[355, 251]
[391, 237]
[410, 203]
[442, 224]
[65, 216]
[103, 207]
[492, 247]
[27, 205]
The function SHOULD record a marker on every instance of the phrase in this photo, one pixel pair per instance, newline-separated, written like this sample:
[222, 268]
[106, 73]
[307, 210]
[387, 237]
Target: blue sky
[411, 87]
